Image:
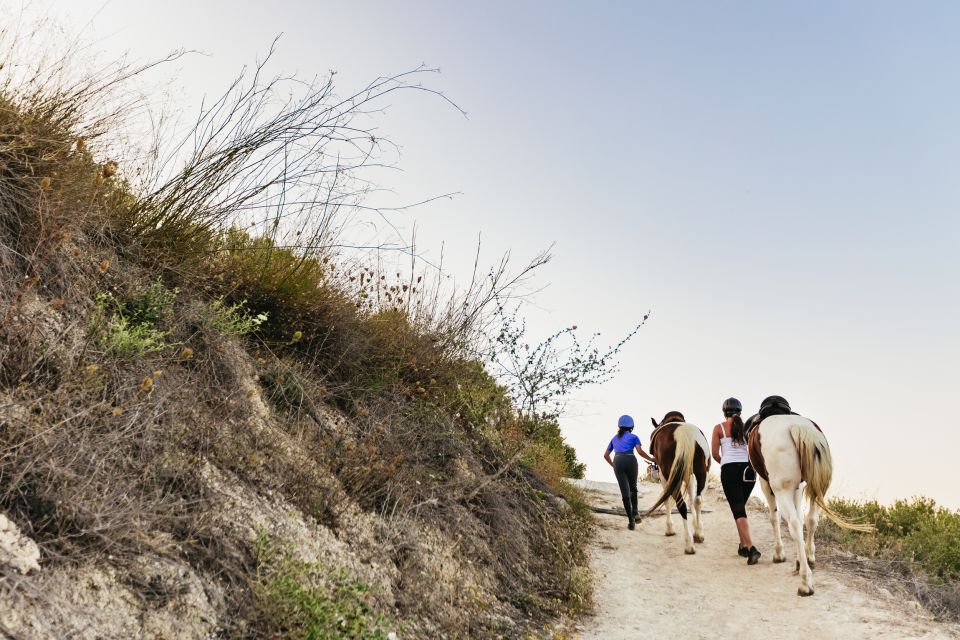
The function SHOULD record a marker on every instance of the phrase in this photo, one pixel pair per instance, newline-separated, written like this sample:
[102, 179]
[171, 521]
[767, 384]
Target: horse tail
[816, 468]
[685, 447]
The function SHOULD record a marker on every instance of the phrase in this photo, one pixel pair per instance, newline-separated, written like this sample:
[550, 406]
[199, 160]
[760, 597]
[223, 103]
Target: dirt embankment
[647, 588]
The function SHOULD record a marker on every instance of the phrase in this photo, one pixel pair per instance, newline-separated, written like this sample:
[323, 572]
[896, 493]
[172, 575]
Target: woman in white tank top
[736, 475]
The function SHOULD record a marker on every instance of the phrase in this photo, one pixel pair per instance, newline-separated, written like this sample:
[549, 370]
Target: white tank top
[731, 451]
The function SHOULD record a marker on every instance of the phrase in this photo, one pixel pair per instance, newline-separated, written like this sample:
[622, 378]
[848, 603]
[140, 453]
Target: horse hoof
[779, 560]
[804, 594]
[698, 538]
[670, 533]
[690, 551]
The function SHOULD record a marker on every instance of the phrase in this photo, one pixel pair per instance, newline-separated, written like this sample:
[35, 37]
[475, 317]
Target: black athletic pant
[625, 468]
[734, 487]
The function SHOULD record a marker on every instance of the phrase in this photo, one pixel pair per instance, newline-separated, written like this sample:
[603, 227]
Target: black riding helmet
[731, 406]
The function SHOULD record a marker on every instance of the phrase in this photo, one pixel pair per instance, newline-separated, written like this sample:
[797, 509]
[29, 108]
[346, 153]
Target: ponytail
[620, 432]
[736, 429]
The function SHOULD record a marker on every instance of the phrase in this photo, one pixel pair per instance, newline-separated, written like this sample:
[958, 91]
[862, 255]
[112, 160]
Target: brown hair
[736, 429]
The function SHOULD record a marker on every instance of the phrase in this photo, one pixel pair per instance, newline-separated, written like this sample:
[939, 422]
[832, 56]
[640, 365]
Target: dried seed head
[104, 265]
[45, 183]
[186, 353]
[109, 169]
[146, 384]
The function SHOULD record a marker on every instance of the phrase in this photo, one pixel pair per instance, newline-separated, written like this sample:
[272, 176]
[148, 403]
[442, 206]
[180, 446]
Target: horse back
[771, 447]
[663, 449]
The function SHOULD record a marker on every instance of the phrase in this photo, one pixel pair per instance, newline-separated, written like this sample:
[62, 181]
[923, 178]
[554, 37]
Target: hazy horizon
[776, 183]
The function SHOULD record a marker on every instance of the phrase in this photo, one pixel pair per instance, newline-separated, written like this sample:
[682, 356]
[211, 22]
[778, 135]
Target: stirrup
[749, 475]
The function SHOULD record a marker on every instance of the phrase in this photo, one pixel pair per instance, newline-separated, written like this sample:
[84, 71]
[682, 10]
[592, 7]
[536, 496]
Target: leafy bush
[305, 601]
[233, 319]
[916, 531]
[129, 329]
[150, 306]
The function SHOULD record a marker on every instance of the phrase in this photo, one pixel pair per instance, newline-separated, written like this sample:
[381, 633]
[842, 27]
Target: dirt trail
[647, 588]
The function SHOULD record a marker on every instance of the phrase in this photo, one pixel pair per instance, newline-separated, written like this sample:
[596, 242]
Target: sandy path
[646, 587]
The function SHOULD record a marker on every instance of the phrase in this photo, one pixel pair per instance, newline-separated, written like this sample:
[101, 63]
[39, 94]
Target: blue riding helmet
[625, 422]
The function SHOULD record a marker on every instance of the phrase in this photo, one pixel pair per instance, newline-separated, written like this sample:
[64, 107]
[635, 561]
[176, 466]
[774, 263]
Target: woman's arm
[643, 454]
[606, 456]
[716, 443]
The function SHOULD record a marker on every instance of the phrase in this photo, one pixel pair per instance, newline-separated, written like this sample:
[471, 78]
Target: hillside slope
[212, 429]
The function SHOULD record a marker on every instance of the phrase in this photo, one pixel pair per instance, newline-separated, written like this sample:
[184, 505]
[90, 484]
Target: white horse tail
[816, 468]
[685, 446]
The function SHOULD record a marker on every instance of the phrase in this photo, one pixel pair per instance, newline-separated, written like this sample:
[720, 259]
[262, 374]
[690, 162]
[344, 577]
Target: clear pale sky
[777, 182]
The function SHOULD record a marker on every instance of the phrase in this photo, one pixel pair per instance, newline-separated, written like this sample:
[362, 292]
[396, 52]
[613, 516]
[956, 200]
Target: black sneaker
[754, 556]
[742, 551]
[631, 524]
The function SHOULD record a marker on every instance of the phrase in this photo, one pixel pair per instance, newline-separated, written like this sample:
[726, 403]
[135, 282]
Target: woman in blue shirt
[624, 465]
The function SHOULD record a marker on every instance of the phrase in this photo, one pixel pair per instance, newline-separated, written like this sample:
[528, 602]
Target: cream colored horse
[787, 451]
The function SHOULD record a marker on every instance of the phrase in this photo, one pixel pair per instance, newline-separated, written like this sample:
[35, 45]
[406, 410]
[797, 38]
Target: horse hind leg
[798, 504]
[778, 554]
[697, 504]
[668, 509]
[687, 536]
[795, 523]
[812, 519]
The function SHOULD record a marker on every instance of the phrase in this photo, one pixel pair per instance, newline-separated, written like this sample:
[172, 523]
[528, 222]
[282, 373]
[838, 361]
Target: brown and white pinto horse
[785, 451]
[682, 453]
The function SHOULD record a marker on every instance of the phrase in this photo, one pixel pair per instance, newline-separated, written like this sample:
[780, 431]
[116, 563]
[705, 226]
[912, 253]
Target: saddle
[771, 406]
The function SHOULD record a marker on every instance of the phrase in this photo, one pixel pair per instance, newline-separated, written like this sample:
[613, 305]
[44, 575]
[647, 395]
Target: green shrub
[296, 599]
[916, 531]
[233, 319]
[130, 328]
[149, 307]
[121, 335]
[127, 341]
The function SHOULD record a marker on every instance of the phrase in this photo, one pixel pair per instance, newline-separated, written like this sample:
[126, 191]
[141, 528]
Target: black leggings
[625, 468]
[734, 487]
